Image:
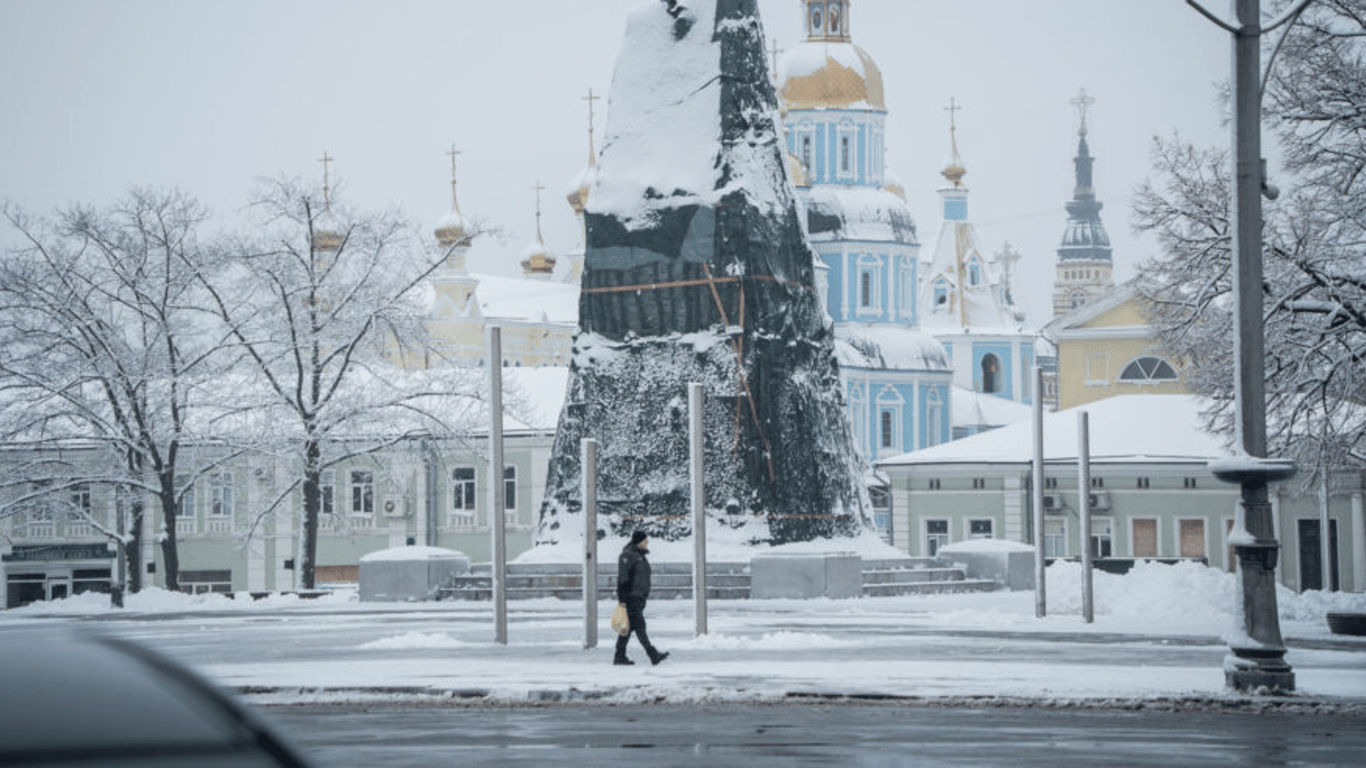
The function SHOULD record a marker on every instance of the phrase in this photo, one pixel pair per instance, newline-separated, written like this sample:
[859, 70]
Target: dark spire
[1085, 237]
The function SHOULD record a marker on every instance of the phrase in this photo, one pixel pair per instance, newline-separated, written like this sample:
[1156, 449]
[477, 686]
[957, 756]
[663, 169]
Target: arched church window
[806, 154]
[1148, 369]
[991, 374]
[888, 434]
[845, 159]
[975, 272]
[865, 289]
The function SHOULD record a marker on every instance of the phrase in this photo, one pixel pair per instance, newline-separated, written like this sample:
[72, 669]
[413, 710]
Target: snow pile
[985, 545]
[158, 600]
[772, 641]
[414, 640]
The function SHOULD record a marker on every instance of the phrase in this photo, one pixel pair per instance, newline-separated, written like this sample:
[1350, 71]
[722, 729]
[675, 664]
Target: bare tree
[1314, 247]
[323, 307]
[102, 351]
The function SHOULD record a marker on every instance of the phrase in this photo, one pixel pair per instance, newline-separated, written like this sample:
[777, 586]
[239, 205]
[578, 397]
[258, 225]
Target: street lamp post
[1256, 661]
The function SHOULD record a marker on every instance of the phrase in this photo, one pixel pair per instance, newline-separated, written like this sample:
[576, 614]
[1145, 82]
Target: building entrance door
[1311, 554]
[58, 588]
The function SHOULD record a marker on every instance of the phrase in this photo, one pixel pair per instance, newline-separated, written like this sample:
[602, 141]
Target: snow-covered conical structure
[697, 269]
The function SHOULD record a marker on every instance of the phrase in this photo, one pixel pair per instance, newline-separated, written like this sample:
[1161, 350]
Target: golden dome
[823, 75]
[451, 229]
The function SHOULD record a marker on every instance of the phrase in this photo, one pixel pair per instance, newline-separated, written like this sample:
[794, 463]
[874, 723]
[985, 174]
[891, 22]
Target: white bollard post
[497, 518]
[1040, 567]
[589, 492]
[699, 507]
[1088, 608]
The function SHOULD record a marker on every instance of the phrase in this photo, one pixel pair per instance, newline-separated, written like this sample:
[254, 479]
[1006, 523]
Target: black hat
[638, 537]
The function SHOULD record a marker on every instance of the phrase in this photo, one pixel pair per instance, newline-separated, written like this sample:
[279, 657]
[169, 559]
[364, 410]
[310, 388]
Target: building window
[1055, 537]
[888, 430]
[806, 155]
[1143, 482]
[1097, 370]
[1050, 482]
[1145, 538]
[1188, 482]
[975, 272]
[934, 417]
[327, 490]
[979, 483]
[509, 489]
[362, 492]
[1097, 482]
[941, 293]
[1147, 370]
[936, 536]
[1192, 538]
[865, 291]
[202, 582]
[1102, 537]
[220, 494]
[979, 529]
[934, 484]
[991, 374]
[846, 155]
[462, 491]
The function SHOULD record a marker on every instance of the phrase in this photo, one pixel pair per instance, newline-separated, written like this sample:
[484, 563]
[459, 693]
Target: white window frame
[361, 493]
[1097, 370]
[221, 501]
[869, 267]
[937, 540]
[509, 488]
[846, 150]
[464, 489]
[1055, 542]
[1103, 534]
[969, 534]
[1148, 378]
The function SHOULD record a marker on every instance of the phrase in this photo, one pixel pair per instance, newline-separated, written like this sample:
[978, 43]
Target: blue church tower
[897, 378]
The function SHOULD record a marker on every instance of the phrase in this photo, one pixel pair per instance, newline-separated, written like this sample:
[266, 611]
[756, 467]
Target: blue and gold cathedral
[897, 378]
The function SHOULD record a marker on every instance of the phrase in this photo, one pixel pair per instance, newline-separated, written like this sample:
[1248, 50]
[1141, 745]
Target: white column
[1358, 534]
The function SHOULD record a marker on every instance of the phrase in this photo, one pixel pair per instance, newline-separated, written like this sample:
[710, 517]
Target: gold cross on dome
[953, 109]
[454, 153]
[327, 193]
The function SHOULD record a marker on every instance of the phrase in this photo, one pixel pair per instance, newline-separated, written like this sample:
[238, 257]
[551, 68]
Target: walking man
[633, 588]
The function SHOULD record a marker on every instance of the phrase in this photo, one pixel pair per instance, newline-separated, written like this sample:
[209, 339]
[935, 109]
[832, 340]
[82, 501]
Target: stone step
[725, 581]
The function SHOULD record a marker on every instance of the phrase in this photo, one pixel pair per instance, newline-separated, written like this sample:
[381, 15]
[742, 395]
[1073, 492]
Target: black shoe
[658, 657]
[622, 661]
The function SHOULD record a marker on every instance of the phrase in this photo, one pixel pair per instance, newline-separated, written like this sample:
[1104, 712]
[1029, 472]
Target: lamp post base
[1259, 676]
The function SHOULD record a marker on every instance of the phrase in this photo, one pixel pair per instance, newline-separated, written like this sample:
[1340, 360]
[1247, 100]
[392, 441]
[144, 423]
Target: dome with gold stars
[827, 71]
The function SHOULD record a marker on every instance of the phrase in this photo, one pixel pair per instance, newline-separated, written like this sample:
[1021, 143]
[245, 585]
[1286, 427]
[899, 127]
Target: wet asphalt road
[868, 736]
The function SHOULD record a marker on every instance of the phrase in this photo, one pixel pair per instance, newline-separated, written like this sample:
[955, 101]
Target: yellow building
[1106, 348]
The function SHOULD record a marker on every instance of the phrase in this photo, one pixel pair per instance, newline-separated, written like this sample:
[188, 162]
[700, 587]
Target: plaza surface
[1157, 641]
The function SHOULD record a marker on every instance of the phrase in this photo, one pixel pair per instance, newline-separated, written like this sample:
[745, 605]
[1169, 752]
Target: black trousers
[635, 611]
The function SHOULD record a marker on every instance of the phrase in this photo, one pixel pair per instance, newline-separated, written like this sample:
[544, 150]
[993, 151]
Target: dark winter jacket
[633, 574]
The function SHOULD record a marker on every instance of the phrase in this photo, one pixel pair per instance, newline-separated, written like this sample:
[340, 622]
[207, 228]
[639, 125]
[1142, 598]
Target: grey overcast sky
[209, 95]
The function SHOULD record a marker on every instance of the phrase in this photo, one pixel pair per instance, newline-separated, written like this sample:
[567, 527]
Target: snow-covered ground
[1157, 635]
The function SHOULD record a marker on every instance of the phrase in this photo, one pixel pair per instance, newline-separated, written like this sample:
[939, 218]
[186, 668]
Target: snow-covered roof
[413, 553]
[516, 298]
[977, 409]
[886, 347]
[858, 213]
[975, 307]
[1129, 428]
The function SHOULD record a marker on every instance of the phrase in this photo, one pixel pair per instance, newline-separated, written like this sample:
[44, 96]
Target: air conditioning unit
[1052, 502]
[1099, 500]
[393, 507]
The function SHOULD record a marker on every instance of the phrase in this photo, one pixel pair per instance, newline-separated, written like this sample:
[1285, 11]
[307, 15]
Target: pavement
[993, 652]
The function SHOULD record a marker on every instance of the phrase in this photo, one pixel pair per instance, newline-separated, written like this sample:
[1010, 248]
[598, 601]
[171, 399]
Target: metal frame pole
[1088, 607]
[1040, 566]
[589, 487]
[497, 516]
[699, 506]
